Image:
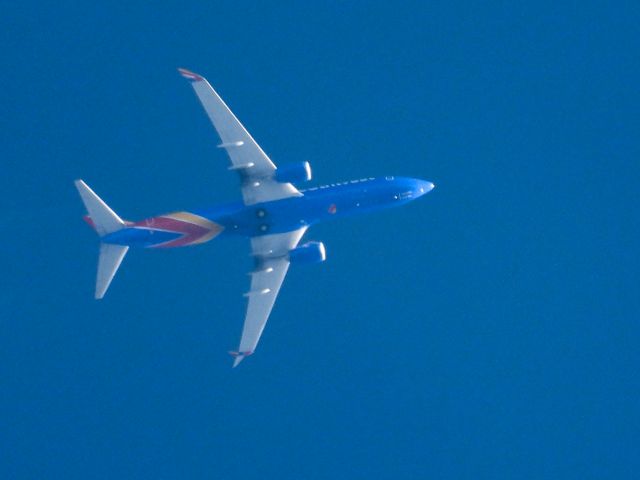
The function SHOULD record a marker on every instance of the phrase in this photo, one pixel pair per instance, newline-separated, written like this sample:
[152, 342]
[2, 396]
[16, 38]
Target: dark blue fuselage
[315, 205]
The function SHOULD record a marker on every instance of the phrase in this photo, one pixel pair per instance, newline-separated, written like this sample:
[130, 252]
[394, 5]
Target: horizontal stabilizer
[110, 259]
[103, 218]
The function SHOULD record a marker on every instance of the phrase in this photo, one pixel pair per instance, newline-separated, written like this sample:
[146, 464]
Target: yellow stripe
[207, 237]
[195, 219]
[214, 228]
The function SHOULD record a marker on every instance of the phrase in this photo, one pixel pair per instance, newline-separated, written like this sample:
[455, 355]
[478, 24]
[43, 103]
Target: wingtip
[79, 184]
[238, 357]
[189, 75]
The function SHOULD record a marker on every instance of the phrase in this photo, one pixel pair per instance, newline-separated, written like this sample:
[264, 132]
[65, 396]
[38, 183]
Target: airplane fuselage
[317, 204]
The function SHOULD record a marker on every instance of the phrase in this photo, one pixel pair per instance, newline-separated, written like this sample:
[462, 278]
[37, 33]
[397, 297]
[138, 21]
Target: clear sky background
[488, 330]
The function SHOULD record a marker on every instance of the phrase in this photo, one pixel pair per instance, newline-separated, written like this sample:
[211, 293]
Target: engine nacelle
[310, 252]
[293, 173]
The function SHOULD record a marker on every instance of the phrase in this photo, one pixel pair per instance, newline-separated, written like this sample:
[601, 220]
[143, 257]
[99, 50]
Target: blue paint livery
[274, 214]
[317, 204]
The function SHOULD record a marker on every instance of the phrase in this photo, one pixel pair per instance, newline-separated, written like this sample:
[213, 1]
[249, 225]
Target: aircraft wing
[272, 263]
[254, 166]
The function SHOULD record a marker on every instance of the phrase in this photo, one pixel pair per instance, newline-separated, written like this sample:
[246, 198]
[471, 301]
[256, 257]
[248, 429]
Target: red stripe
[89, 221]
[190, 231]
[190, 75]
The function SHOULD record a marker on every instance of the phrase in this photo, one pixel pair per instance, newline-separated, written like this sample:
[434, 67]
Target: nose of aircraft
[422, 186]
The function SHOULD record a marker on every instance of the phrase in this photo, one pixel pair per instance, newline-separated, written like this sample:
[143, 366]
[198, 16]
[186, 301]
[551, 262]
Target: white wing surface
[254, 166]
[272, 263]
[103, 218]
[108, 262]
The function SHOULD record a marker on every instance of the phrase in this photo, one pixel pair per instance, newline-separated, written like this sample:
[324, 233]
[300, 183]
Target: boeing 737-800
[273, 214]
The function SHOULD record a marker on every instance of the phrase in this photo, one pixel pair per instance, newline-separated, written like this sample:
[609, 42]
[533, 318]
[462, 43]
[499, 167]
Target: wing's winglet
[238, 357]
[193, 77]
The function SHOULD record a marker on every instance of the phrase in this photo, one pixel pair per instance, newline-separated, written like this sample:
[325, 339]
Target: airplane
[273, 214]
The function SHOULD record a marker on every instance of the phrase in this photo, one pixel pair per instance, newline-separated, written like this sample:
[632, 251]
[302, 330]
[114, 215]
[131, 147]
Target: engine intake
[293, 173]
[310, 252]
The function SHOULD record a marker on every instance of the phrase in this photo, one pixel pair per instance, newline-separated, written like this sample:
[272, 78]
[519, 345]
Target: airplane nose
[424, 187]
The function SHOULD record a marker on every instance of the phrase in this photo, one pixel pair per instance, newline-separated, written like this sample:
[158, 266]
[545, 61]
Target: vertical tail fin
[104, 221]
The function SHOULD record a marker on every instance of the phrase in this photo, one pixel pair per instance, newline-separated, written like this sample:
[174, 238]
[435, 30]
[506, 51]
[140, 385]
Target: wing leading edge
[272, 263]
[254, 166]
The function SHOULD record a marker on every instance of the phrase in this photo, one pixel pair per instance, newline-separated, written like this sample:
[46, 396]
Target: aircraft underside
[273, 214]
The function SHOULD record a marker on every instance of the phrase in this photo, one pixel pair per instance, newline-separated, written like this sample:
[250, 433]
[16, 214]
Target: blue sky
[489, 330]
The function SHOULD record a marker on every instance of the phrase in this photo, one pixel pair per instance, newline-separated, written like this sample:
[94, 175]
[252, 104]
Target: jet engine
[310, 252]
[293, 173]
